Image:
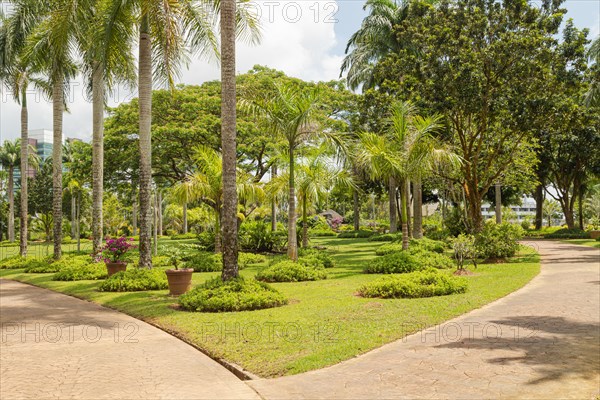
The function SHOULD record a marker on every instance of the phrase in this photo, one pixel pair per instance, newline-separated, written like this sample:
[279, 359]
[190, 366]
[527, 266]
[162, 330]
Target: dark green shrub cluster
[135, 280]
[355, 234]
[435, 232]
[234, 295]
[388, 248]
[321, 233]
[437, 246]
[386, 237]
[498, 240]
[47, 265]
[247, 259]
[568, 234]
[289, 271]
[393, 263]
[320, 257]
[427, 283]
[203, 262]
[181, 236]
[257, 237]
[15, 262]
[91, 271]
[430, 259]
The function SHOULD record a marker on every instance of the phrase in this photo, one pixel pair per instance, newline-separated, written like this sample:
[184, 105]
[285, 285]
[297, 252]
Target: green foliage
[427, 283]
[91, 271]
[430, 259]
[498, 240]
[393, 263]
[134, 280]
[314, 257]
[247, 259]
[233, 295]
[464, 249]
[15, 262]
[566, 233]
[436, 246]
[388, 248]
[181, 236]
[355, 234]
[256, 236]
[386, 237]
[206, 240]
[203, 262]
[47, 265]
[321, 233]
[289, 271]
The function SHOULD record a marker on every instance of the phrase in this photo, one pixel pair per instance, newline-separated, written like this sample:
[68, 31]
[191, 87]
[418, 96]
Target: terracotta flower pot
[180, 280]
[113, 268]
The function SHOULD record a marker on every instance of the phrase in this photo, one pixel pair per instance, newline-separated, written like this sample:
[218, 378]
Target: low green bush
[498, 240]
[47, 265]
[289, 271]
[203, 262]
[135, 280]
[91, 271]
[233, 295]
[257, 237]
[322, 258]
[386, 237]
[181, 236]
[321, 233]
[15, 262]
[566, 233]
[436, 246]
[393, 263]
[247, 259]
[430, 259]
[355, 234]
[388, 248]
[427, 283]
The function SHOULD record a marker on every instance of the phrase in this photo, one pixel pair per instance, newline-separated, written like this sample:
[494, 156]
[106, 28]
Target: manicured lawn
[583, 242]
[325, 321]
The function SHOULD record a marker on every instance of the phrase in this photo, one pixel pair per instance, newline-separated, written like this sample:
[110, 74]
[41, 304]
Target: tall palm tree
[406, 151]
[291, 112]
[593, 95]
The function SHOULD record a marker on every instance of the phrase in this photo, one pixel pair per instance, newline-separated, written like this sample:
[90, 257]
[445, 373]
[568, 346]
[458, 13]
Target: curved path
[56, 346]
[542, 341]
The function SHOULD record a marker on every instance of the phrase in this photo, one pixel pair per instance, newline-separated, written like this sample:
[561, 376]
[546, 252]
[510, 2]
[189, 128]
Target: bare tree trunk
[356, 209]
[539, 211]
[404, 213]
[185, 219]
[145, 139]
[57, 186]
[274, 202]
[155, 224]
[73, 215]
[418, 208]
[11, 205]
[228, 140]
[218, 235]
[580, 207]
[392, 194]
[134, 216]
[498, 190]
[292, 239]
[408, 208]
[304, 223]
[160, 214]
[78, 219]
[97, 155]
[24, 173]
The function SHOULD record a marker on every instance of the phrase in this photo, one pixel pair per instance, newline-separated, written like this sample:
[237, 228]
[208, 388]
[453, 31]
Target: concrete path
[55, 346]
[542, 341]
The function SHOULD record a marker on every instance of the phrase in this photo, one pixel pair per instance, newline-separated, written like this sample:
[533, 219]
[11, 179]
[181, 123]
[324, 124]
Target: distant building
[42, 140]
[524, 211]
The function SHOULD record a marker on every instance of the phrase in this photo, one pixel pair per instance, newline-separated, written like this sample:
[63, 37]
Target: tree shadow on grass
[558, 347]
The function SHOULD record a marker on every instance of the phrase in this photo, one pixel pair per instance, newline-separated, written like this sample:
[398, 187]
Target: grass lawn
[324, 323]
[583, 242]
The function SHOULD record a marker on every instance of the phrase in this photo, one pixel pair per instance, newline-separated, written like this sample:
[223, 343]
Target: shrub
[233, 295]
[498, 240]
[388, 248]
[134, 280]
[43, 266]
[321, 233]
[206, 240]
[203, 262]
[430, 259]
[393, 263]
[182, 236]
[257, 237]
[436, 246]
[464, 249]
[289, 271]
[91, 271]
[427, 283]
[386, 237]
[246, 259]
[355, 234]
[568, 234]
[323, 257]
[15, 262]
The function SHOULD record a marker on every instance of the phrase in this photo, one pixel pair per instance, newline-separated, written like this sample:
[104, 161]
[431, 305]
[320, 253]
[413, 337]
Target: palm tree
[206, 185]
[551, 210]
[407, 150]
[291, 113]
[593, 95]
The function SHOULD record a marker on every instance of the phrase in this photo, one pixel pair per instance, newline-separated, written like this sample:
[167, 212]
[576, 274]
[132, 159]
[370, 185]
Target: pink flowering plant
[114, 250]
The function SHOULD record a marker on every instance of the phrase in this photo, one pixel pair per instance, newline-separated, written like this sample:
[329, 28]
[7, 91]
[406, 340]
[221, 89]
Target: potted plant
[180, 280]
[113, 252]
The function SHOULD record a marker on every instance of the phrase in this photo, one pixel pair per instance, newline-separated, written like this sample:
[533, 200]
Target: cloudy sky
[303, 38]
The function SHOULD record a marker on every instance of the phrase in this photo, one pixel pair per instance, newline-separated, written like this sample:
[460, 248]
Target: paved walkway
[56, 346]
[542, 341]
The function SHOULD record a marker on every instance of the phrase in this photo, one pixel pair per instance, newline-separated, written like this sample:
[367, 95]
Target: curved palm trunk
[404, 213]
[145, 104]
[97, 155]
[24, 173]
[292, 239]
[304, 223]
[11, 204]
[228, 141]
[418, 209]
[57, 187]
[393, 217]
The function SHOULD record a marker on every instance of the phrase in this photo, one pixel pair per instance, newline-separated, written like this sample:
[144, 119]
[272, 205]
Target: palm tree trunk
[304, 223]
[24, 173]
[185, 218]
[134, 216]
[155, 225]
[160, 214]
[356, 209]
[418, 208]
[78, 217]
[292, 239]
[57, 187]
[73, 215]
[539, 212]
[228, 140]
[274, 202]
[393, 217]
[11, 204]
[580, 207]
[498, 208]
[97, 155]
[145, 139]
[404, 213]
[408, 207]
[218, 241]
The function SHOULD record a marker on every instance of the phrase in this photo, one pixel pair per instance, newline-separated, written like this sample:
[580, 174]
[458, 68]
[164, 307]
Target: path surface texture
[55, 346]
[542, 341]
